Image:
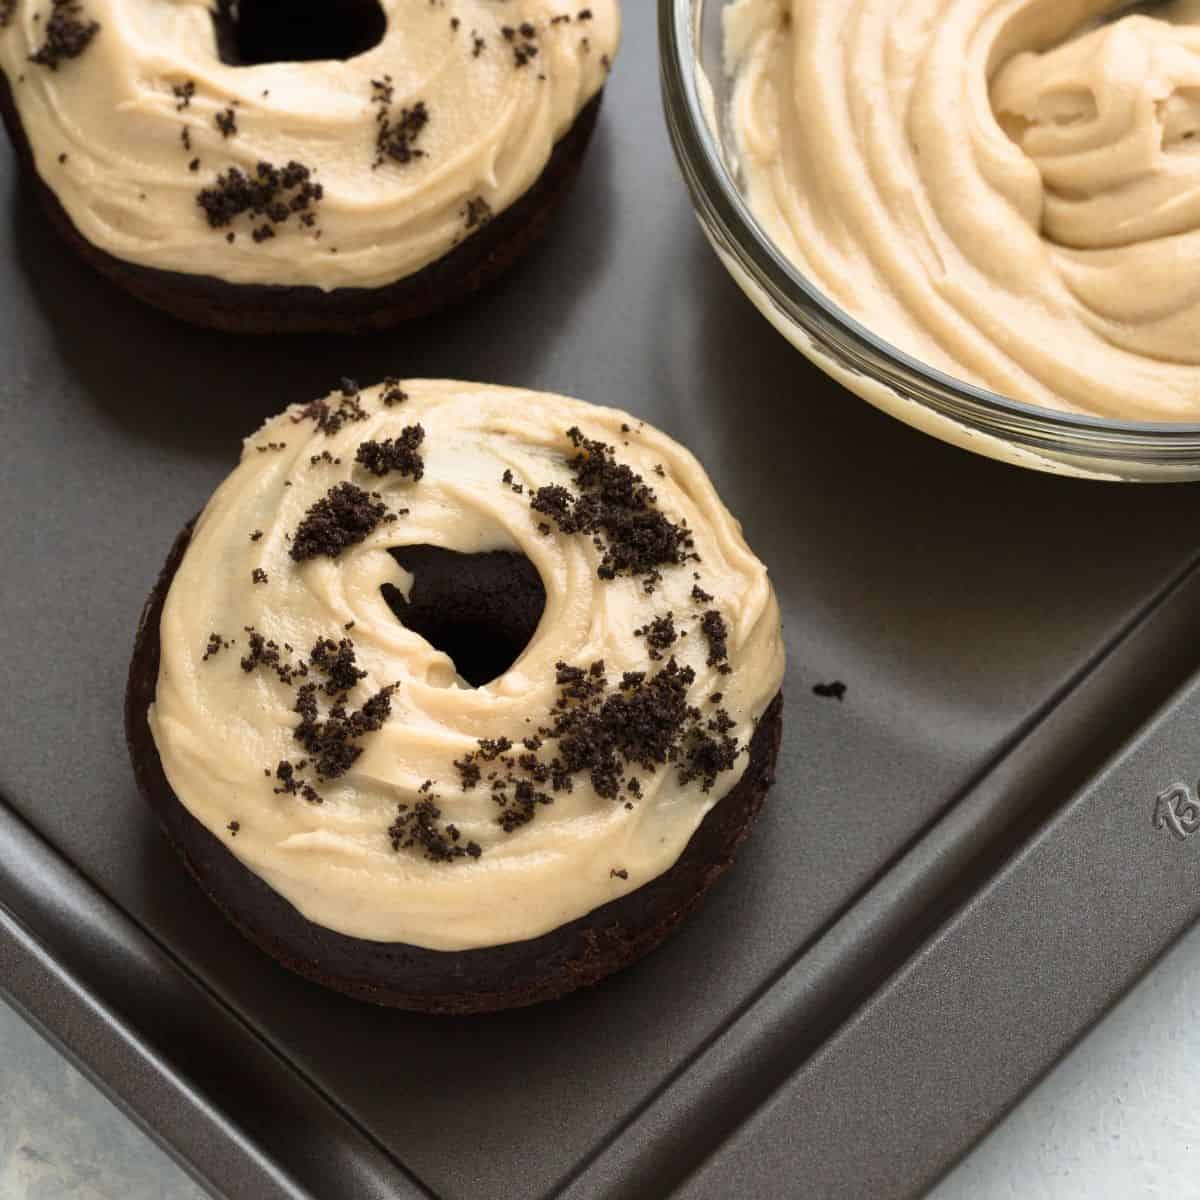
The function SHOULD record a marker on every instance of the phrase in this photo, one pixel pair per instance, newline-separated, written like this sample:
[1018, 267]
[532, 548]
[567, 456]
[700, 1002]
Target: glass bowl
[696, 96]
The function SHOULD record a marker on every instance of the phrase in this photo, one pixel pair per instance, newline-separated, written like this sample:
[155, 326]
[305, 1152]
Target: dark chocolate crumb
[256, 536]
[330, 418]
[618, 873]
[67, 35]
[479, 213]
[830, 691]
[393, 393]
[478, 45]
[184, 93]
[600, 731]
[617, 509]
[660, 634]
[337, 662]
[258, 575]
[216, 643]
[332, 741]
[713, 626]
[401, 454]
[344, 516]
[266, 653]
[233, 828]
[272, 192]
[396, 137]
[700, 595]
[226, 122]
[419, 826]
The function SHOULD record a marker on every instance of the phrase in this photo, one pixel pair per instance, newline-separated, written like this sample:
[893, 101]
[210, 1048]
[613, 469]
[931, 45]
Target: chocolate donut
[445, 705]
[338, 167]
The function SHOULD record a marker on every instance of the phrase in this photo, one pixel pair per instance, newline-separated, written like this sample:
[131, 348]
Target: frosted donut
[468, 832]
[184, 158]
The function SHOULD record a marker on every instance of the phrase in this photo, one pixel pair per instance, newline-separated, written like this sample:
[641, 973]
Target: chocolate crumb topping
[401, 454]
[183, 93]
[273, 193]
[336, 661]
[67, 34]
[396, 137]
[216, 643]
[233, 828]
[479, 213]
[714, 628]
[393, 393]
[263, 652]
[256, 536]
[226, 122]
[617, 508]
[618, 873]
[830, 691]
[332, 741]
[330, 419]
[660, 634]
[478, 45]
[600, 731]
[700, 595]
[258, 575]
[418, 825]
[344, 516]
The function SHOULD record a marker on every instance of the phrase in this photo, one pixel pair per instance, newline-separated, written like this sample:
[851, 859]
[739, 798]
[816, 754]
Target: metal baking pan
[944, 889]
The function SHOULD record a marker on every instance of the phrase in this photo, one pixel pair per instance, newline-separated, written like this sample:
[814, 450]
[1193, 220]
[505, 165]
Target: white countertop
[1117, 1119]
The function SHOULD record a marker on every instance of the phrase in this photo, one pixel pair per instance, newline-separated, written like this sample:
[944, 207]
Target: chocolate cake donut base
[574, 955]
[268, 308]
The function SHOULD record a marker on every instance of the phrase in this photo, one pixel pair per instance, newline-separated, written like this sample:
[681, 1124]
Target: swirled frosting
[1006, 189]
[485, 455]
[130, 128]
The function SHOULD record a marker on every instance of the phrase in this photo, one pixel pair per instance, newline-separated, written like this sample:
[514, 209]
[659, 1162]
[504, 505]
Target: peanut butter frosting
[431, 812]
[1008, 190]
[153, 144]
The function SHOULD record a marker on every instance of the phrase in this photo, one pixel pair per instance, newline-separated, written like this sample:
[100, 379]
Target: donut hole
[251, 32]
[481, 610]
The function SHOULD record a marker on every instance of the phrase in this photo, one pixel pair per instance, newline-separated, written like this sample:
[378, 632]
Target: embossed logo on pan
[1177, 810]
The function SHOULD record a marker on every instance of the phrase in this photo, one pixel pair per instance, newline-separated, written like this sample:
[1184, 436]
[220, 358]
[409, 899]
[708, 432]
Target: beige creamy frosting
[1006, 189]
[218, 727]
[126, 182]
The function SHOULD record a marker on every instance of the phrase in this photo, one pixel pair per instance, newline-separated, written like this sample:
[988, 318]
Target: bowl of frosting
[982, 217]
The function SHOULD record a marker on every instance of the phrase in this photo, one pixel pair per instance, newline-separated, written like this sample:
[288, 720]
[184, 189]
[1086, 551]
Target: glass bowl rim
[694, 141]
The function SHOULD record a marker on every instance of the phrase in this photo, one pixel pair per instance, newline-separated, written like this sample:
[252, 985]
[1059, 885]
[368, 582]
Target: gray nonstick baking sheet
[959, 867]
